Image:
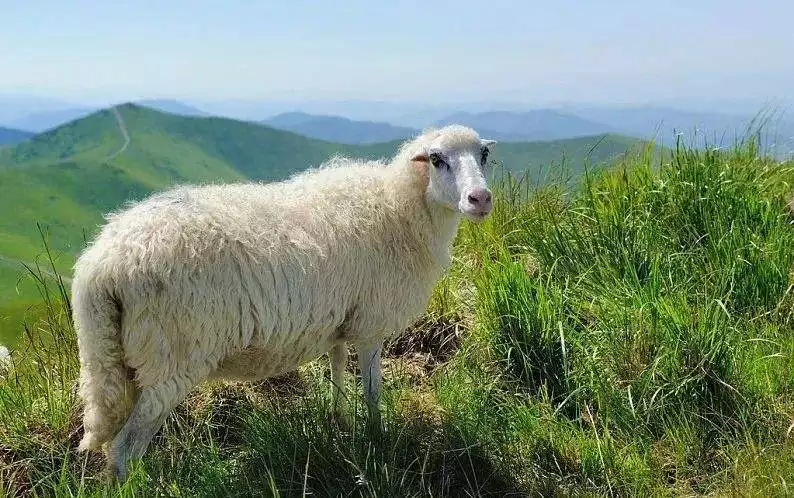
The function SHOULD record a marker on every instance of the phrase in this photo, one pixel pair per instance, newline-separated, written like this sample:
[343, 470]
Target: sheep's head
[455, 157]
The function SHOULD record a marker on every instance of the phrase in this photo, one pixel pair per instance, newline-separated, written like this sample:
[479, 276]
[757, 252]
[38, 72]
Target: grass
[628, 335]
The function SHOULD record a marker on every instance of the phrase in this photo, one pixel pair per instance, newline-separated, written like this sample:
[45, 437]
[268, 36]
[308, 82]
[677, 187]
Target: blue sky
[534, 52]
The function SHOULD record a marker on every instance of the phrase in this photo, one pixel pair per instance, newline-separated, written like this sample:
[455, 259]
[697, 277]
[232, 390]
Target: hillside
[13, 136]
[339, 129]
[65, 179]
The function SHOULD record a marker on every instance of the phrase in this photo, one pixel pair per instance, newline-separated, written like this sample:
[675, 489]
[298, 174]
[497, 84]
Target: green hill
[67, 178]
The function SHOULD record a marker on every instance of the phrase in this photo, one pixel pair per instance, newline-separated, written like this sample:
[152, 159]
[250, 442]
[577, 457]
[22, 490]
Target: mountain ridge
[338, 128]
[535, 125]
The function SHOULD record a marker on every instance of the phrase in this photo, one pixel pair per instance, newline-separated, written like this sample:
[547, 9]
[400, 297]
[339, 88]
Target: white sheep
[248, 281]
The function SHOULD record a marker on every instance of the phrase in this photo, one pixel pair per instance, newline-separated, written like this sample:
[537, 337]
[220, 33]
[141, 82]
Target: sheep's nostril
[488, 197]
[474, 200]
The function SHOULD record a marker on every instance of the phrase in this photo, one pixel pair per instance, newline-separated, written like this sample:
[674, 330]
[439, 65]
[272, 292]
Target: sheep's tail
[106, 387]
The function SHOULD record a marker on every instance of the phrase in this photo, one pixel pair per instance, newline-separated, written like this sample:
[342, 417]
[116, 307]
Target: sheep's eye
[484, 155]
[437, 161]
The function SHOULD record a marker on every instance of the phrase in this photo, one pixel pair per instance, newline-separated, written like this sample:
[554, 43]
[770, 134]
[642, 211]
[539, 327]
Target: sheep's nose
[480, 197]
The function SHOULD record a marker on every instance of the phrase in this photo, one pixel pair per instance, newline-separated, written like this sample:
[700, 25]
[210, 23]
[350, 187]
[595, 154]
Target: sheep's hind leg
[338, 356]
[370, 365]
[152, 407]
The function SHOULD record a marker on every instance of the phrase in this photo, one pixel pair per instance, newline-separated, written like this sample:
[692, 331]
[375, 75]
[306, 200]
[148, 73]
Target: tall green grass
[631, 334]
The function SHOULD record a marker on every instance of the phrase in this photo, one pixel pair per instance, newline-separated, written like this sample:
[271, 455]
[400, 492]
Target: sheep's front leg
[369, 364]
[338, 356]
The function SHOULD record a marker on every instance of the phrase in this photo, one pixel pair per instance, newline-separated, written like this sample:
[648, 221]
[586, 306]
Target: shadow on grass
[243, 440]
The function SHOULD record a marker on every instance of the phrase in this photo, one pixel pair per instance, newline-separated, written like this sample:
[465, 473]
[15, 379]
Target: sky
[522, 51]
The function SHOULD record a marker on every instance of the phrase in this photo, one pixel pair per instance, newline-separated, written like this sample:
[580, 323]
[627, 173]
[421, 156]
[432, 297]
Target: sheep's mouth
[477, 215]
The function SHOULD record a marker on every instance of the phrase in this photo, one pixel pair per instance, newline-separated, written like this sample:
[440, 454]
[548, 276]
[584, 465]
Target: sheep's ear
[421, 157]
[486, 142]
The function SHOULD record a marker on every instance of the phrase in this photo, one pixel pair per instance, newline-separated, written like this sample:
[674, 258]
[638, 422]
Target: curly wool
[247, 281]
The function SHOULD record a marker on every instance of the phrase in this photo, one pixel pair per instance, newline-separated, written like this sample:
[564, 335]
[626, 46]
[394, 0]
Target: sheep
[247, 281]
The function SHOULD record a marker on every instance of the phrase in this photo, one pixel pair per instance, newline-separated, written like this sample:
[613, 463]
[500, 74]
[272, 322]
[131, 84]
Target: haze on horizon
[615, 51]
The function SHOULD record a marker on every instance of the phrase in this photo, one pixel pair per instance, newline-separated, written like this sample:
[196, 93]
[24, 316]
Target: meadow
[627, 334]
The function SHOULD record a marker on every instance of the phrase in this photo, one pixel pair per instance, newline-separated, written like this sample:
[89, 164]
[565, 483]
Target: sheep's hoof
[112, 476]
[116, 473]
[340, 418]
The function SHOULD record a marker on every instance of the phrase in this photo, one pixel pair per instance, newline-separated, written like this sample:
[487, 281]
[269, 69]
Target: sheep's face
[455, 162]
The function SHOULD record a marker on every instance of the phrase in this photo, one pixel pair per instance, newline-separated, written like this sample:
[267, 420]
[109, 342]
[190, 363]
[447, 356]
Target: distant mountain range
[338, 129]
[542, 124]
[662, 124]
[498, 125]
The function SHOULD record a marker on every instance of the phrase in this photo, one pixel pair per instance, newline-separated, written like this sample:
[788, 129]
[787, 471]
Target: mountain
[172, 106]
[38, 122]
[259, 110]
[65, 179]
[339, 129]
[541, 124]
[13, 136]
[534, 125]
